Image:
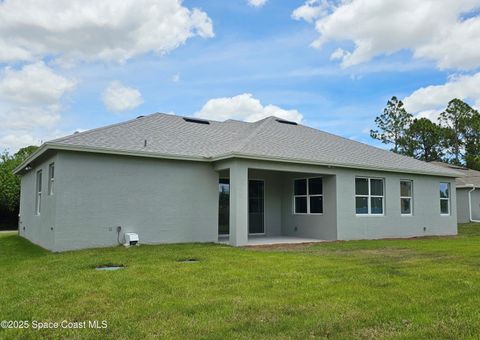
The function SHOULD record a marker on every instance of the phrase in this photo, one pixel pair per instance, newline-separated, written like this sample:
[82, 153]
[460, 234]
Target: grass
[418, 288]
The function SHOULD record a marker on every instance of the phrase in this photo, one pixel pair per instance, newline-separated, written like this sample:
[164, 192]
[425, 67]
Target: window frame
[307, 196]
[51, 179]
[369, 196]
[38, 192]
[406, 197]
[445, 198]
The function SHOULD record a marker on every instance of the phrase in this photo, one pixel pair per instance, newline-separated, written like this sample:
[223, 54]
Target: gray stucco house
[177, 179]
[468, 193]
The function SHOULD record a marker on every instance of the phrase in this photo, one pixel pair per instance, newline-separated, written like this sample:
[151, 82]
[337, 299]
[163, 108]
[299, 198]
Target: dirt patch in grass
[282, 246]
[188, 260]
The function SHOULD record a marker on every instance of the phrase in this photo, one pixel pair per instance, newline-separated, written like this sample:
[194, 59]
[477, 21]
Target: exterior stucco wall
[340, 185]
[168, 201]
[279, 191]
[476, 204]
[463, 215]
[319, 226]
[279, 216]
[163, 201]
[426, 219]
[39, 229]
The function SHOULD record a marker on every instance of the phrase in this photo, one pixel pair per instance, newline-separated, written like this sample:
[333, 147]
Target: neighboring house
[468, 193]
[175, 179]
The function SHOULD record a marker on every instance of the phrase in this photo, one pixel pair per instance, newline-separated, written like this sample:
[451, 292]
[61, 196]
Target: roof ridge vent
[288, 122]
[196, 120]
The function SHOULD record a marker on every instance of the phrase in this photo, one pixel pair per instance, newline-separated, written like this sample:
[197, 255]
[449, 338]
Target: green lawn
[419, 288]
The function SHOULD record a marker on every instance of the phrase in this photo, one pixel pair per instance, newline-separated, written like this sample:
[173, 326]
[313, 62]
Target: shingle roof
[170, 135]
[469, 177]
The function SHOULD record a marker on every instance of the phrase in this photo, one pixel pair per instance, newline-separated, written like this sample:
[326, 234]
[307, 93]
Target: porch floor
[260, 240]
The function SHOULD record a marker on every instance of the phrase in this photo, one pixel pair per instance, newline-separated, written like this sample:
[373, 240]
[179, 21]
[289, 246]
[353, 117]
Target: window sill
[370, 215]
[308, 214]
[406, 215]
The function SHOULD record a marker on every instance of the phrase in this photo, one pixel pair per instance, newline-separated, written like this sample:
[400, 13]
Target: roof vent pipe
[196, 120]
[286, 122]
[145, 143]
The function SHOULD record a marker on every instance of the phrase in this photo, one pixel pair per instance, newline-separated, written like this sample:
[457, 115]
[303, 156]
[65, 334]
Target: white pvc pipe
[470, 205]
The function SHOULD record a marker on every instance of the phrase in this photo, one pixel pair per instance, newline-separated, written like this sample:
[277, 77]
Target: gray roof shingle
[469, 177]
[170, 135]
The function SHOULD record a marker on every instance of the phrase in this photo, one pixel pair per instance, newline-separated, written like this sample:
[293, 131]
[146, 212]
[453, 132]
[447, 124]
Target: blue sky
[259, 50]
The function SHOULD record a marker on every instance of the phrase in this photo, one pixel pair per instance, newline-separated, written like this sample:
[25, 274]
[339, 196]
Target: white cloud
[176, 78]
[244, 107]
[311, 10]
[96, 30]
[431, 100]
[13, 142]
[429, 29]
[257, 3]
[30, 97]
[34, 84]
[30, 104]
[118, 97]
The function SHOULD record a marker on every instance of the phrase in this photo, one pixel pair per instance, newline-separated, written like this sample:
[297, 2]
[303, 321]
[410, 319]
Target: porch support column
[238, 204]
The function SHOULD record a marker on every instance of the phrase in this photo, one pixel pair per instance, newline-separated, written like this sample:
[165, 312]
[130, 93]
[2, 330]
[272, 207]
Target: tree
[423, 140]
[9, 183]
[455, 119]
[471, 135]
[392, 124]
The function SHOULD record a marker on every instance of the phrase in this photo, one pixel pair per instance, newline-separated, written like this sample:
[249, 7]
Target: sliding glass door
[256, 205]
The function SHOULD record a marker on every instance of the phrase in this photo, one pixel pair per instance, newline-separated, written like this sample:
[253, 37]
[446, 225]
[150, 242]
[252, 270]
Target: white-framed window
[406, 197]
[445, 199]
[308, 195]
[51, 178]
[38, 191]
[369, 196]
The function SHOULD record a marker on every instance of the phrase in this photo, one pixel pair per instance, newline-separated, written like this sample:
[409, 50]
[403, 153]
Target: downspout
[470, 204]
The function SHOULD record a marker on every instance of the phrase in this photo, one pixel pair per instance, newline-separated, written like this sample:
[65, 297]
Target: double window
[445, 198]
[406, 197]
[38, 191]
[51, 178]
[308, 196]
[369, 196]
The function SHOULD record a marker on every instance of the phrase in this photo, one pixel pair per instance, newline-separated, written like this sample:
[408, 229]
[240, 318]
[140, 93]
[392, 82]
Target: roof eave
[58, 146]
[31, 158]
[338, 165]
[467, 186]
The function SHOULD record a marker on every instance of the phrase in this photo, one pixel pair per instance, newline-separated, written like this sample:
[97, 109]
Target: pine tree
[471, 135]
[423, 140]
[455, 120]
[392, 124]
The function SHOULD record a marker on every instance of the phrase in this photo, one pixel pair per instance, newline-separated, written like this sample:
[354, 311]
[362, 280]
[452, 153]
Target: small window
[38, 191]
[406, 197]
[300, 187]
[51, 178]
[445, 198]
[308, 196]
[369, 196]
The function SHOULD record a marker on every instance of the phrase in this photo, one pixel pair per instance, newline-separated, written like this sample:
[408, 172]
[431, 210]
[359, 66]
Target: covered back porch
[264, 203]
